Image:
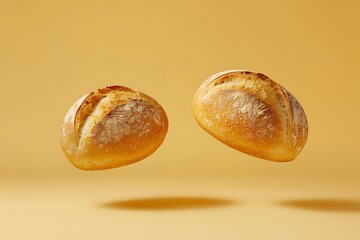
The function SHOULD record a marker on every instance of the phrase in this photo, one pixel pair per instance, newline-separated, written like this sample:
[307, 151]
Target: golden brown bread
[112, 127]
[251, 113]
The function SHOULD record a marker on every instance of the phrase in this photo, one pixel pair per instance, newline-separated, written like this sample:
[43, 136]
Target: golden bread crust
[251, 113]
[112, 127]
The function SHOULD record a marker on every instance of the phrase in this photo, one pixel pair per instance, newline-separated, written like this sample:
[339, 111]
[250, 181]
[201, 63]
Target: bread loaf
[112, 127]
[251, 113]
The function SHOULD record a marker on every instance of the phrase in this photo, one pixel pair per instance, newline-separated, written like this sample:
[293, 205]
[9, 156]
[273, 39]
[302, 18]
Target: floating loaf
[112, 127]
[253, 114]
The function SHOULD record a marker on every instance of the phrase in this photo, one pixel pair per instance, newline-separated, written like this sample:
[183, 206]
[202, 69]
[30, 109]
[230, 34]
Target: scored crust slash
[112, 127]
[253, 114]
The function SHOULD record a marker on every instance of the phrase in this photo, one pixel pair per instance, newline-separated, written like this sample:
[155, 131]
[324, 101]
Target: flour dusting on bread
[112, 127]
[251, 113]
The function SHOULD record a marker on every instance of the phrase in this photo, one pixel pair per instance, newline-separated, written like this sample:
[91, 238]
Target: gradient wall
[53, 52]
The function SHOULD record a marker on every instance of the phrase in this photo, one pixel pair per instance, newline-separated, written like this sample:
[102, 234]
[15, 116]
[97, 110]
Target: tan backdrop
[52, 52]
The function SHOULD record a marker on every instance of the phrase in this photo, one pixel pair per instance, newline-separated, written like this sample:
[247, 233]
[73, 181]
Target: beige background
[53, 52]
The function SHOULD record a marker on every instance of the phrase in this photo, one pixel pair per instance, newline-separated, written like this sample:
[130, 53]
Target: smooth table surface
[181, 208]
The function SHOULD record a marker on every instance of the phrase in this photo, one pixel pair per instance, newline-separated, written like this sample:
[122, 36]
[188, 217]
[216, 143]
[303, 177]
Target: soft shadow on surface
[168, 203]
[330, 205]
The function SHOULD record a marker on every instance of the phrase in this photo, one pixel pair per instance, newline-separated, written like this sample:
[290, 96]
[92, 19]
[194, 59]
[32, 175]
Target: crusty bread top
[250, 112]
[112, 123]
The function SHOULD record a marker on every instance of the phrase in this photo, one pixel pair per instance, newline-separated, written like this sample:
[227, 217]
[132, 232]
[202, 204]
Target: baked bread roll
[251, 113]
[112, 127]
